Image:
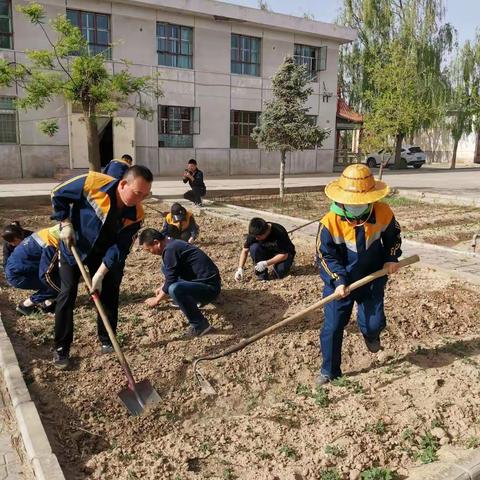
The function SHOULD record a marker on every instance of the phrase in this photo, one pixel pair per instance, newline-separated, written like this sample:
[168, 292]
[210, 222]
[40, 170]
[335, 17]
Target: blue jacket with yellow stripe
[116, 168]
[35, 255]
[346, 253]
[86, 200]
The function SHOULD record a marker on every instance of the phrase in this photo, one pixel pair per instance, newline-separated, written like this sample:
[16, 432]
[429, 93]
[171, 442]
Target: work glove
[67, 234]
[261, 266]
[97, 282]
[239, 274]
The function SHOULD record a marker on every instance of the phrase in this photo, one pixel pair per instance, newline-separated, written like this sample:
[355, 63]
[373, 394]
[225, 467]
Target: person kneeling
[180, 224]
[269, 246]
[191, 277]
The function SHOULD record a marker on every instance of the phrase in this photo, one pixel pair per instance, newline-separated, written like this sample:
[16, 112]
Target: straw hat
[356, 186]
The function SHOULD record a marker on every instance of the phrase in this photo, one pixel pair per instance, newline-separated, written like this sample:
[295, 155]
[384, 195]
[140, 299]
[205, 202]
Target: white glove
[67, 234]
[239, 274]
[261, 266]
[97, 282]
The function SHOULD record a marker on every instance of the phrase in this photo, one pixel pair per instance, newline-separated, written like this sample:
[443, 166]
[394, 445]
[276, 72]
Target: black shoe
[193, 332]
[61, 358]
[373, 344]
[48, 308]
[24, 310]
[106, 348]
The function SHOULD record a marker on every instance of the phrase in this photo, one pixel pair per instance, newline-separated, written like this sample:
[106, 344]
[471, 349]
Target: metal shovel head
[139, 399]
[205, 385]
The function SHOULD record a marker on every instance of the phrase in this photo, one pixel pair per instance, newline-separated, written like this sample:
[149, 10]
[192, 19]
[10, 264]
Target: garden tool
[304, 225]
[205, 385]
[137, 396]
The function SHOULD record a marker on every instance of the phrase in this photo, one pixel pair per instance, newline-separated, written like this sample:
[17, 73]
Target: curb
[37, 447]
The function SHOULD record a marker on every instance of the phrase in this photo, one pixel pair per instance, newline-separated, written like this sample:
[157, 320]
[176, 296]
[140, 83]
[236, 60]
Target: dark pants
[187, 294]
[69, 277]
[31, 281]
[370, 318]
[259, 253]
[195, 195]
[174, 232]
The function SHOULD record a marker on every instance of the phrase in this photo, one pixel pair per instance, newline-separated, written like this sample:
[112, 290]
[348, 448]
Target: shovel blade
[139, 399]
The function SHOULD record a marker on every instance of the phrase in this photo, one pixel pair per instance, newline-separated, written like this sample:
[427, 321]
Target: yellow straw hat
[356, 186]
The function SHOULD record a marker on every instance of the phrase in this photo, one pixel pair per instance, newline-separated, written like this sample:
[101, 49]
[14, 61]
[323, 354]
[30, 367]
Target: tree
[463, 107]
[284, 123]
[69, 71]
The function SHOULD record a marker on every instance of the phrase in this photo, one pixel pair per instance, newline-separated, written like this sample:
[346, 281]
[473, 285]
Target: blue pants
[370, 318]
[187, 294]
[26, 281]
[259, 253]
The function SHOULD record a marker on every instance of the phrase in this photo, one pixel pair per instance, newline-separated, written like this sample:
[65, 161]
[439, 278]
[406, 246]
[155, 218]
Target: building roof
[345, 112]
[225, 12]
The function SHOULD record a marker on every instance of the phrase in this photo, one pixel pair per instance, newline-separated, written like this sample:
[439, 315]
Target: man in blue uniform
[101, 216]
[191, 278]
[116, 168]
[358, 236]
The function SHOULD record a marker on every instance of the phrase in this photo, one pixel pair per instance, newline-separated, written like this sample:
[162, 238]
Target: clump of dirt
[393, 409]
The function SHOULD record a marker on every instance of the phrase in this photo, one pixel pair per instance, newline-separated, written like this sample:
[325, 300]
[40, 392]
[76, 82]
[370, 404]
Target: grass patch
[428, 449]
[377, 473]
[345, 382]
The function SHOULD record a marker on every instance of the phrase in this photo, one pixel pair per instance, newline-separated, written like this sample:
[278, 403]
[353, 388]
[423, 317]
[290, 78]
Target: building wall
[209, 86]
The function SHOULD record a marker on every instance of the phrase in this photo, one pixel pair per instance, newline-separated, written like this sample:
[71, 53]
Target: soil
[392, 409]
[447, 225]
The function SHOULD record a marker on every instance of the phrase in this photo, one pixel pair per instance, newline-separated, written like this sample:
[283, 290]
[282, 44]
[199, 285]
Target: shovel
[205, 385]
[137, 396]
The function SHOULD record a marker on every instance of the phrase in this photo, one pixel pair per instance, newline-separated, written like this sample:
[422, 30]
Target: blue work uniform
[116, 168]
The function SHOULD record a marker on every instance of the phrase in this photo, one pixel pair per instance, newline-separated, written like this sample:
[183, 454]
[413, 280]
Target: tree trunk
[93, 141]
[476, 158]
[282, 173]
[453, 162]
[398, 151]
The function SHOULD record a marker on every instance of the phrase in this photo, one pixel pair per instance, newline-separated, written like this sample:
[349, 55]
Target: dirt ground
[452, 226]
[392, 410]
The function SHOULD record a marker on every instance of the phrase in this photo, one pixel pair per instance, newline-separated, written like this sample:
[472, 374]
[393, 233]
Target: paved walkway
[460, 183]
[462, 265]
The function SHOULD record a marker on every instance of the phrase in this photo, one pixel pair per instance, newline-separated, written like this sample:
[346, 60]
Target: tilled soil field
[438, 224]
[392, 410]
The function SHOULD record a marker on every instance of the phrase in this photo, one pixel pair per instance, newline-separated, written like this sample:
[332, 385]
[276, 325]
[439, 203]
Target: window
[8, 120]
[177, 125]
[95, 28]
[6, 37]
[315, 58]
[241, 126]
[245, 55]
[174, 45]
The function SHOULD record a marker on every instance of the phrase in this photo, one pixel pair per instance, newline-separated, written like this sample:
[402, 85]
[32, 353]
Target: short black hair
[139, 171]
[192, 161]
[13, 231]
[127, 157]
[149, 235]
[257, 226]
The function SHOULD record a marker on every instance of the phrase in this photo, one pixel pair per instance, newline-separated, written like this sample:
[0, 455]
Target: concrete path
[461, 183]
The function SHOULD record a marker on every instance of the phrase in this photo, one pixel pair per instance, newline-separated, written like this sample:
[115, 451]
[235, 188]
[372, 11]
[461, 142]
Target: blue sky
[463, 14]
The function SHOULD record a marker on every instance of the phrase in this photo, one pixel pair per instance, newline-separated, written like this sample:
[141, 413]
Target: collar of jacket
[335, 208]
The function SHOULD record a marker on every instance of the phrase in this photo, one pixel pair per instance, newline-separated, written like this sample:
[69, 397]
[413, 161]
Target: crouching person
[33, 265]
[191, 278]
[269, 246]
[180, 224]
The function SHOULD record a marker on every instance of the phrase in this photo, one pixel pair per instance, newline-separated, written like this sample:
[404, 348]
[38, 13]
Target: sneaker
[174, 304]
[373, 344]
[193, 332]
[321, 380]
[61, 358]
[48, 308]
[106, 348]
[24, 310]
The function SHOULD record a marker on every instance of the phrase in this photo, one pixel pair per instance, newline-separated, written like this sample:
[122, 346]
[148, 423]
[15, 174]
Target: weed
[429, 446]
[329, 475]
[345, 382]
[228, 474]
[289, 452]
[269, 379]
[121, 338]
[389, 369]
[264, 455]
[334, 416]
[321, 397]
[472, 442]
[379, 428]
[205, 447]
[376, 473]
[252, 401]
[408, 435]
[334, 450]
[437, 423]
[303, 390]
[397, 201]
[132, 475]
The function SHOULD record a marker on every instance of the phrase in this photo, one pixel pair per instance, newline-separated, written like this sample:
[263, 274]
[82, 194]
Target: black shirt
[277, 241]
[197, 180]
[182, 261]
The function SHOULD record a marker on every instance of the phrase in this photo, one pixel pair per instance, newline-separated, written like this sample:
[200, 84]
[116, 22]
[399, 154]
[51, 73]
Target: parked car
[411, 155]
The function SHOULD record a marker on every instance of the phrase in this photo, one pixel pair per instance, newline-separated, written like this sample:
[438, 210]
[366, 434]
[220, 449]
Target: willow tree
[415, 26]
[284, 124]
[69, 71]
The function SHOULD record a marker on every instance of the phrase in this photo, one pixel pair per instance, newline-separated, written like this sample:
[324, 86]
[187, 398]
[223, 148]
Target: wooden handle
[297, 316]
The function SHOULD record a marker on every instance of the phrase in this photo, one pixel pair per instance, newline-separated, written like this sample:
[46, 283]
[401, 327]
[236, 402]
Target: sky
[463, 14]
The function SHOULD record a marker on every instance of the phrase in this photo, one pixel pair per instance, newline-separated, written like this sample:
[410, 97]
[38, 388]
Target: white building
[215, 62]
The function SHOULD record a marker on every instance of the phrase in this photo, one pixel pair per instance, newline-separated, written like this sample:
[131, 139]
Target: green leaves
[48, 127]
[34, 12]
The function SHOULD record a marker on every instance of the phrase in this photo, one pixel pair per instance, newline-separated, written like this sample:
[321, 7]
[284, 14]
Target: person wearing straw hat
[358, 236]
